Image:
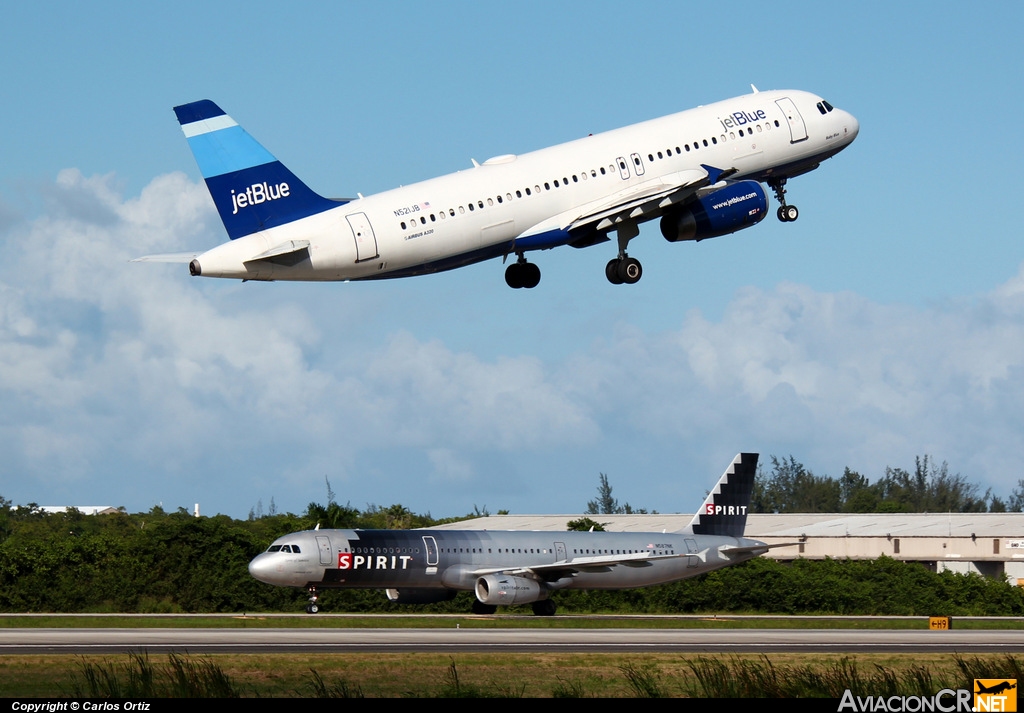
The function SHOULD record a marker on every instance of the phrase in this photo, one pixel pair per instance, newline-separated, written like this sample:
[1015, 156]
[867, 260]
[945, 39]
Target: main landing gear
[480, 608]
[624, 269]
[786, 213]
[312, 607]
[522, 274]
[545, 607]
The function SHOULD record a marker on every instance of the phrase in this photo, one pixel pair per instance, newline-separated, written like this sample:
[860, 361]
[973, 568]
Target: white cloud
[110, 369]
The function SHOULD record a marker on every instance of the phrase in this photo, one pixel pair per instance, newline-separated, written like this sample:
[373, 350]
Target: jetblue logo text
[347, 560]
[739, 118]
[711, 509]
[258, 193]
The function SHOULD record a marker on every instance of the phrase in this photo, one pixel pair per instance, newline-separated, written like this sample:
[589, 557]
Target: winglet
[252, 190]
[724, 512]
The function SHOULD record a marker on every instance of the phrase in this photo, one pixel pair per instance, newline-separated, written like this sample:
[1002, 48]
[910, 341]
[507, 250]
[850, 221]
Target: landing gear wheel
[480, 608]
[522, 274]
[791, 213]
[531, 275]
[312, 608]
[611, 271]
[545, 607]
[514, 276]
[630, 271]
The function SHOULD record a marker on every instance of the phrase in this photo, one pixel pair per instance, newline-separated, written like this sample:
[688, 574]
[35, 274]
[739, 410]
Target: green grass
[495, 675]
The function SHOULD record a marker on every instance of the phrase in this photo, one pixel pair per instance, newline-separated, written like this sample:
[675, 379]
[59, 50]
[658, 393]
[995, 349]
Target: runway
[808, 641]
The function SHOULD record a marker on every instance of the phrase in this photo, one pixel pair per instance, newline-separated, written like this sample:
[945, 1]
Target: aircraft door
[623, 168]
[323, 544]
[430, 547]
[560, 552]
[366, 241]
[797, 129]
[638, 164]
[691, 550]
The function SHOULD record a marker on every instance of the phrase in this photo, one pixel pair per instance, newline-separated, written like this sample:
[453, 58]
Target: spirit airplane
[516, 567]
[699, 172]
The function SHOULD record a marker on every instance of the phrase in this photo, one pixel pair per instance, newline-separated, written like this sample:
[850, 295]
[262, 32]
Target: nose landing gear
[786, 213]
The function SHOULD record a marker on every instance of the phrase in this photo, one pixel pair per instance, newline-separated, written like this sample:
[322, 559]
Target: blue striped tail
[252, 190]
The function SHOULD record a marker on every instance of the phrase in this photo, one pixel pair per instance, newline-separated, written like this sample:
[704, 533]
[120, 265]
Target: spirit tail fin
[724, 512]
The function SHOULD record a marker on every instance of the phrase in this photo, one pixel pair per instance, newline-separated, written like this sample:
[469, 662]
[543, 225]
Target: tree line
[790, 488]
[160, 561]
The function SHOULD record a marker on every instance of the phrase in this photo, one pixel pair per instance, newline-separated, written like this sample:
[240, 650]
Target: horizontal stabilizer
[754, 549]
[167, 257]
[285, 248]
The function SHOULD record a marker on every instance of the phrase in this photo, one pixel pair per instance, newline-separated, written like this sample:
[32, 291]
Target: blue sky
[887, 322]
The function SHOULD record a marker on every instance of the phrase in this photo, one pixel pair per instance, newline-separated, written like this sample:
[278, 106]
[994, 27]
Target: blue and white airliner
[699, 171]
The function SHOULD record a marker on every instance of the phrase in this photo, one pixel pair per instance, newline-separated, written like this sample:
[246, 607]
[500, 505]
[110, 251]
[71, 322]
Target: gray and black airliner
[516, 567]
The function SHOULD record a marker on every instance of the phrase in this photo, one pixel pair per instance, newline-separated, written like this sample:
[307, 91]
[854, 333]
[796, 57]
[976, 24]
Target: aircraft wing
[638, 203]
[596, 563]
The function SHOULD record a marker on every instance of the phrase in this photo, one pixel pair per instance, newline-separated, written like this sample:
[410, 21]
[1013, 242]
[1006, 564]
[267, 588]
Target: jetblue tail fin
[252, 190]
[724, 512]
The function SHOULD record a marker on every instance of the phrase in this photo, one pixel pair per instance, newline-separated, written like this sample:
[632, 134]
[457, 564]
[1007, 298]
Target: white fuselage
[518, 203]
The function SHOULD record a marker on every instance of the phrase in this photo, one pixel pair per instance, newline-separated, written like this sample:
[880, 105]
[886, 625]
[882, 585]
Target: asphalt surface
[85, 641]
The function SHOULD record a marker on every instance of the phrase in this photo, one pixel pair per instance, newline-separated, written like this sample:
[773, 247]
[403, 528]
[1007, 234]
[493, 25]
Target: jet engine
[507, 590]
[733, 207]
[430, 595]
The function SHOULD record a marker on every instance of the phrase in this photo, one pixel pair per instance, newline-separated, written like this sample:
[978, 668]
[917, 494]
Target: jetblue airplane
[516, 567]
[699, 171]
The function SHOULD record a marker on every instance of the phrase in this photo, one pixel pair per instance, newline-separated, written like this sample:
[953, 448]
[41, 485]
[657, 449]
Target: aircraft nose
[852, 126]
[262, 568]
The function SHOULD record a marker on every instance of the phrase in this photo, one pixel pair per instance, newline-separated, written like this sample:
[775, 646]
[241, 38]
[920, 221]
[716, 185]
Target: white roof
[790, 525]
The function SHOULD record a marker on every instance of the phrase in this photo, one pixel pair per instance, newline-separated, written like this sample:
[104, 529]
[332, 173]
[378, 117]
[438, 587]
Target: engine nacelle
[505, 590]
[733, 207]
[431, 595]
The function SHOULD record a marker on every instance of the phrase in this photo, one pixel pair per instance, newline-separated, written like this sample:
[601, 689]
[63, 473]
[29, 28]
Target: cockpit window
[294, 549]
[824, 107]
